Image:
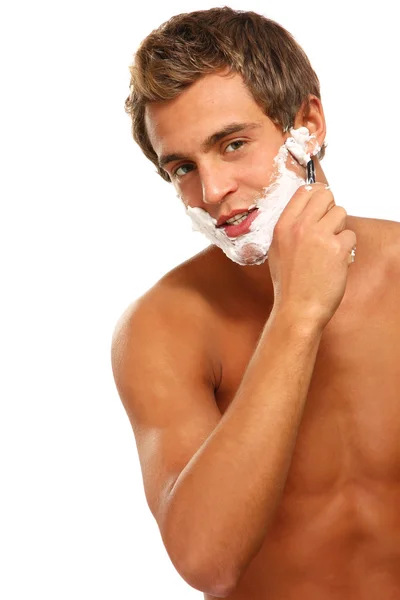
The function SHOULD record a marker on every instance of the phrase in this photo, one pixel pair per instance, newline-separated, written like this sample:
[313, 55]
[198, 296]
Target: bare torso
[336, 533]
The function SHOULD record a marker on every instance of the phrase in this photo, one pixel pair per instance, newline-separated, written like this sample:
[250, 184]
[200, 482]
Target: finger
[318, 206]
[300, 200]
[347, 240]
[334, 221]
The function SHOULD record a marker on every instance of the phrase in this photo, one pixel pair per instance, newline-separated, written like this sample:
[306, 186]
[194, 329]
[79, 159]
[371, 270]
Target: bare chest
[342, 492]
[351, 422]
[350, 430]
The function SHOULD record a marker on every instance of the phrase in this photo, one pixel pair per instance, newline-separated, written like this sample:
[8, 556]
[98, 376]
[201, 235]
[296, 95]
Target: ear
[312, 117]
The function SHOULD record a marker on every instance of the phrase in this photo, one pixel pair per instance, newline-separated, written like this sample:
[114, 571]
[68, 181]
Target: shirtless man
[264, 398]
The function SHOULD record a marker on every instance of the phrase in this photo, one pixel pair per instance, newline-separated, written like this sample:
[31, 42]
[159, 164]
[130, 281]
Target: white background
[77, 202]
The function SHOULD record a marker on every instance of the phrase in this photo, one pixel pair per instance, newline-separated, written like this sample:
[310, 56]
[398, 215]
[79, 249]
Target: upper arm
[164, 377]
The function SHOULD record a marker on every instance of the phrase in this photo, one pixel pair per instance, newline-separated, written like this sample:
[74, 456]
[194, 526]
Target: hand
[309, 255]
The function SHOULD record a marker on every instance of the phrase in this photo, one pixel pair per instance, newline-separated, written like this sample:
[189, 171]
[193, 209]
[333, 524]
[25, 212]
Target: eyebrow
[209, 142]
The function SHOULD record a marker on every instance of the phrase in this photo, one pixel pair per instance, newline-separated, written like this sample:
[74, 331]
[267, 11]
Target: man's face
[216, 144]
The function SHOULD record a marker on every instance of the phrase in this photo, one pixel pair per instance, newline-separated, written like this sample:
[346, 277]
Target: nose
[217, 182]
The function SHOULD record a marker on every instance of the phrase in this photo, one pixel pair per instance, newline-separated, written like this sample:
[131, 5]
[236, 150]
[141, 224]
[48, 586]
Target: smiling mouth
[242, 226]
[239, 218]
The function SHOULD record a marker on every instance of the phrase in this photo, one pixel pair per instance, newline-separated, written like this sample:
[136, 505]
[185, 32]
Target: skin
[229, 174]
[336, 533]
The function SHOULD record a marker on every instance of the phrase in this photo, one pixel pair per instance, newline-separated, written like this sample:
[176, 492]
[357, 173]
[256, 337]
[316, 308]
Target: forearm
[225, 499]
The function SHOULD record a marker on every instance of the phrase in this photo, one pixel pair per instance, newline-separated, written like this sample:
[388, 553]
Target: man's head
[213, 96]
[273, 66]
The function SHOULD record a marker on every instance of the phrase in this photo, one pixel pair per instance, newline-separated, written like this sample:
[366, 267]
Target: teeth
[237, 218]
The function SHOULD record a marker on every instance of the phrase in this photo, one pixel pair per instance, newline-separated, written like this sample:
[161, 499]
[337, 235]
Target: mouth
[240, 223]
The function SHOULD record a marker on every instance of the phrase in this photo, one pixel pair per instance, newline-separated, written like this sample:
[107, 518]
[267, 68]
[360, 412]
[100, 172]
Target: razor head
[310, 172]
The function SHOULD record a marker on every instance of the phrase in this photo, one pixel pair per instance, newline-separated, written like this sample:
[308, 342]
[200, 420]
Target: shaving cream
[252, 247]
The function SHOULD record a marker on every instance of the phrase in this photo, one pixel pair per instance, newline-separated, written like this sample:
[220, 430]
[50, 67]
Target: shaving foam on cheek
[299, 143]
[252, 247]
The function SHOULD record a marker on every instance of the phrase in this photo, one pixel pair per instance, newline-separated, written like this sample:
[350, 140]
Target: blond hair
[188, 46]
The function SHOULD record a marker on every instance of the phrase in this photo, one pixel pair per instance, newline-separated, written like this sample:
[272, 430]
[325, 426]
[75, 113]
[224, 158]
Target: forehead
[199, 111]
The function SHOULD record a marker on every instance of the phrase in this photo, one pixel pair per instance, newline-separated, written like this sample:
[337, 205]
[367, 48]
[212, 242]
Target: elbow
[209, 577]
[202, 568]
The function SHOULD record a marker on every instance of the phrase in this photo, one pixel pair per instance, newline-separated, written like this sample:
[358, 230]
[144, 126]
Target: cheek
[258, 168]
[189, 191]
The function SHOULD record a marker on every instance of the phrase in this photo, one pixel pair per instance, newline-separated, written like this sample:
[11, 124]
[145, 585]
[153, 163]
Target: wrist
[297, 321]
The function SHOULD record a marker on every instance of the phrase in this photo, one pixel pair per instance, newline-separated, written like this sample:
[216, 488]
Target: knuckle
[328, 194]
[335, 246]
[304, 189]
[323, 190]
[322, 239]
[341, 210]
[300, 228]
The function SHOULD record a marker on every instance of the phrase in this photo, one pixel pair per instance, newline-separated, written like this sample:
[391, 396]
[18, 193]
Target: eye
[236, 145]
[182, 170]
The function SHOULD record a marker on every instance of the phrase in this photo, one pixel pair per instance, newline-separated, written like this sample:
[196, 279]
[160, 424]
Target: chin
[250, 255]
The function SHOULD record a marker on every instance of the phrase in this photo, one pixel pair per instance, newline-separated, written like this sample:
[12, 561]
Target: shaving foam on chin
[252, 247]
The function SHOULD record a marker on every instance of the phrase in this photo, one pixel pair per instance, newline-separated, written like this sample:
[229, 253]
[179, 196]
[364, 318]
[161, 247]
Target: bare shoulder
[165, 337]
[166, 373]
[391, 253]
[387, 250]
[374, 278]
[378, 248]
[381, 262]
[393, 229]
[187, 295]
[180, 297]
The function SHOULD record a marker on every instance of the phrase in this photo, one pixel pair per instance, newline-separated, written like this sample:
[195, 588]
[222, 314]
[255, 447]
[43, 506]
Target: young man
[262, 379]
